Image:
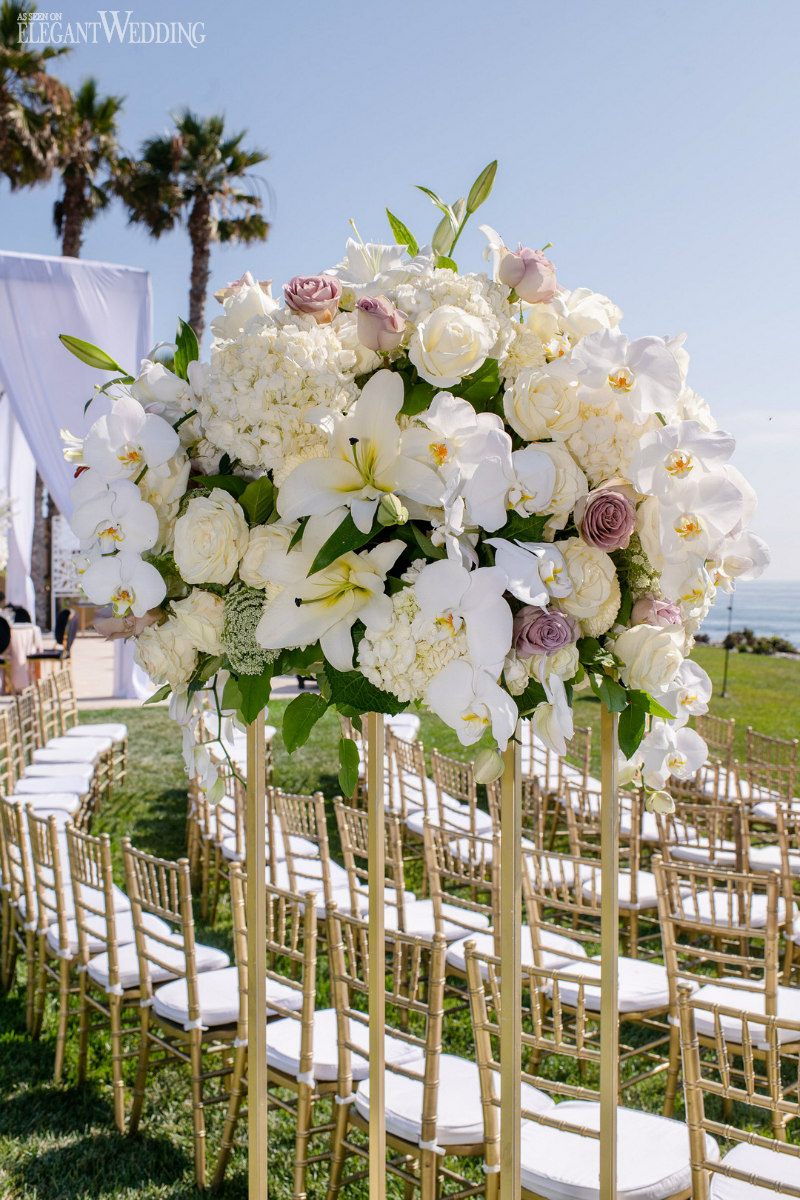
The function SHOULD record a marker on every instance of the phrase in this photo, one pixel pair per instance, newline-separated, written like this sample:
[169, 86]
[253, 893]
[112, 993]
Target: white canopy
[46, 388]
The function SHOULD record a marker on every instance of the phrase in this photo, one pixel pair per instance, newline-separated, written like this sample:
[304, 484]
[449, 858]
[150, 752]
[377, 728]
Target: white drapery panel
[18, 481]
[47, 387]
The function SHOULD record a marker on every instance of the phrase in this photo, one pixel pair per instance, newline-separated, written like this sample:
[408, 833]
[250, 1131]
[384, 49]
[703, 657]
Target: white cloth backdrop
[18, 480]
[41, 297]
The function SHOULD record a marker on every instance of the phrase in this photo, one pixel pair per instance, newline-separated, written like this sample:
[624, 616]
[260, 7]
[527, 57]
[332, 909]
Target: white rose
[593, 577]
[166, 654]
[648, 526]
[563, 663]
[570, 485]
[543, 404]
[210, 538]
[164, 487]
[449, 344]
[199, 617]
[515, 674]
[651, 658]
[255, 568]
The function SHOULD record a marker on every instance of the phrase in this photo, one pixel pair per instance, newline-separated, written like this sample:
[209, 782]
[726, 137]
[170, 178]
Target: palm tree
[194, 177]
[89, 150]
[32, 102]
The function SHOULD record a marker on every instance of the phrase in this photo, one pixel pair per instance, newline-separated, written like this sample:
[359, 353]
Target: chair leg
[8, 947]
[198, 1113]
[141, 1073]
[237, 1092]
[337, 1150]
[672, 1070]
[429, 1175]
[633, 934]
[83, 1028]
[63, 1018]
[118, 1082]
[37, 980]
[304, 1111]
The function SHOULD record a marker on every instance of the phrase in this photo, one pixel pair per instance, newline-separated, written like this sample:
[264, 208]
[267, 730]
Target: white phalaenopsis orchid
[689, 694]
[449, 595]
[126, 582]
[523, 481]
[367, 461]
[744, 557]
[643, 375]
[112, 516]
[552, 722]
[127, 440]
[667, 751]
[451, 436]
[325, 605]
[471, 701]
[536, 571]
[666, 461]
[709, 510]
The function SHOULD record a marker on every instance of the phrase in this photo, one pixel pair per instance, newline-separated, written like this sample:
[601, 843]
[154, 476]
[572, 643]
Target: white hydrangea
[692, 407]
[406, 656]
[604, 443]
[474, 294]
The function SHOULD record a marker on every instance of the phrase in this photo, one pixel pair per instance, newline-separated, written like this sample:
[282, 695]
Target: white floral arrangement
[5, 521]
[468, 492]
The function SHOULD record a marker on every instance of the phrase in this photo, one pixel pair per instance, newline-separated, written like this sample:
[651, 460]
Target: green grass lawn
[59, 1143]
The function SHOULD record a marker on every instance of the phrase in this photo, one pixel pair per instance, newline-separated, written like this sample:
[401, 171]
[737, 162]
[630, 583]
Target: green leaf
[401, 234]
[258, 500]
[187, 351]
[437, 200]
[481, 187]
[298, 659]
[160, 695]
[103, 391]
[531, 698]
[425, 544]
[348, 766]
[231, 700]
[626, 604]
[631, 729]
[255, 690]
[300, 718]
[352, 694]
[443, 261]
[645, 702]
[612, 694]
[209, 665]
[481, 385]
[229, 483]
[418, 397]
[525, 529]
[345, 537]
[93, 356]
[297, 536]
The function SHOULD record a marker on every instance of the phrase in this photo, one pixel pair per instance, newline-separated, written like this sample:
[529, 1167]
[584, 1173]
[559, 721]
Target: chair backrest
[92, 876]
[50, 721]
[763, 1091]
[414, 995]
[761, 748]
[534, 808]
[160, 888]
[17, 870]
[16, 759]
[301, 819]
[8, 752]
[353, 825]
[562, 895]
[584, 828]
[725, 922]
[408, 774]
[51, 878]
[229, 819]
[28, 718]
[703, 831]
[291, 950]
[65, 690]
[717, 733]
[464, 873]
[770, 769]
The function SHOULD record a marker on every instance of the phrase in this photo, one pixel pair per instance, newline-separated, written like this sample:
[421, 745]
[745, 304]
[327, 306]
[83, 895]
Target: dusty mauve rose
[543, 631]
[380, 324]
[606, 518]
[530, 273]
[649, 610]
[111, 627]
[315, 295]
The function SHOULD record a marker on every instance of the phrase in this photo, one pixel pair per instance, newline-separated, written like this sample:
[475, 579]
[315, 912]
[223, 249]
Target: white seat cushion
[419, 920]
[67, 749]
[283, 1047]
[209, 958]
[768, 858]
[451, 816]
[653, 1159]
[755, 1160]
[97, 932]
[459, 1113]
[82, 771]
[218, 994]
[642, 985]
[764, 810]
[404, 726]
[556, 950]
[646, 893]
[114, 730]
[41, 799]
[747, 999]
[721, 854]
[723, 909]
[121, 902]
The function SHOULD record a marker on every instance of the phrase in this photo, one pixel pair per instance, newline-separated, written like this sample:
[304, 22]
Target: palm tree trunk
[200, 234]
[73, 206]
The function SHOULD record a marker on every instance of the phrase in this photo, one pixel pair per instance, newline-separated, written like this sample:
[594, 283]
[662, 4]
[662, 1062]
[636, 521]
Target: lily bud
[487, 767]
[659, 802]
[391, 511]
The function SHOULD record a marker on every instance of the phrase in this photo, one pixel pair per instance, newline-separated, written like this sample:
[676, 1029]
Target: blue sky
[653, 144]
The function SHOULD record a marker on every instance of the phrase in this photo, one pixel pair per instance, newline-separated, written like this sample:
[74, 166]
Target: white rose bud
[487, 767]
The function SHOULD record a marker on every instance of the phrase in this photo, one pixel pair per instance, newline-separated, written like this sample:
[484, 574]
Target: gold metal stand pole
[511, 972]
[377, 957]
[256, 961]
[609, 955]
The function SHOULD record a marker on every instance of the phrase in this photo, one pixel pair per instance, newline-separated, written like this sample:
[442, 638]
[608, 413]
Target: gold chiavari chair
[755, 1165]
[705, 832]
[20, 935]
[724, 924]
[457, 796]
[57, 751]
[222, 834]
[301, 1046]
[768, 774]
[560, 1142]
[305, 863]
[718, 733]
[432, 1105]
[64, 788]
[352, 823]
[413, 792]
[464, 874]
[51, 735]
[72, 727]
[192, 1019]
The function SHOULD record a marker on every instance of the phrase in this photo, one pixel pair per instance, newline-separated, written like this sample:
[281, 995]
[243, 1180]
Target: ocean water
[768, 607]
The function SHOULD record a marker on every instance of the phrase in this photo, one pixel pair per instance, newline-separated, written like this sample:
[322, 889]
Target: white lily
[369, 266]
[325, 605]
[552, 721]
[666, 460]
[367, 460]
[126, 582]
[128, 439]
[666, 751]
[523, 481]
[112, 516]
[536, 571]
[689, 694]
[470, 702]
[451, 596]
[643, 375]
